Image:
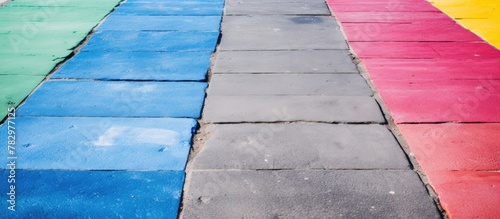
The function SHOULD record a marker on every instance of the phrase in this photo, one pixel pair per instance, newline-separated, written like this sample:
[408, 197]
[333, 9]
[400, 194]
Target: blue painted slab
[116, 99]
[93, 194]
[163, 1]
[137, 66]
[164, 23]
[172, 8]
[131, 41]
[86, 143]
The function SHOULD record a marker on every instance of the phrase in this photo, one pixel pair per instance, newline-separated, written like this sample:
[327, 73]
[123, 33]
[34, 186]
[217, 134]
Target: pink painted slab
[467, 194]
[398, 32]
[401, 69]
[454, 146]
[391, 17]
[466, 50]
[429, 106]
[393, 50]
[388, 6]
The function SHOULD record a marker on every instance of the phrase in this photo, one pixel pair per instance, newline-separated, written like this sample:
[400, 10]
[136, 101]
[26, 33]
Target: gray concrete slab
[350, 109]
[289, 84]
[281, 33]
[300, 146]
[280, 23]
[307, 194]
[298, 61]
[239, 7]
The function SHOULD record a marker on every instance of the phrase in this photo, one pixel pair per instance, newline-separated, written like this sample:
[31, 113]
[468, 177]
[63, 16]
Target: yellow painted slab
[479, 16]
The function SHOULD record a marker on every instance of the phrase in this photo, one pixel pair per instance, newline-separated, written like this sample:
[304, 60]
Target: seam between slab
[299, 170]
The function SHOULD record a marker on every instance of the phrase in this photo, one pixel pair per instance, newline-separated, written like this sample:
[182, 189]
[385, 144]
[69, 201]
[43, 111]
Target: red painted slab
[428, 106]
[392, 6]
[391, 17]
[405, 69]
[393, 50]
[454, 146]
[466, 50]
[397, 32]
[467, 194]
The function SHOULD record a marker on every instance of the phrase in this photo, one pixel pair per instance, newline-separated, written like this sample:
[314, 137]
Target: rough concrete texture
[348, 109]
[281, 33]
[289, 84]
[297, 61]
[307, 194]
[238, 7]
[305, 146]
[274, 143]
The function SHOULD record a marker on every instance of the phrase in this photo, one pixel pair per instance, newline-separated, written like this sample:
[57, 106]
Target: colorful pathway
[291, 127]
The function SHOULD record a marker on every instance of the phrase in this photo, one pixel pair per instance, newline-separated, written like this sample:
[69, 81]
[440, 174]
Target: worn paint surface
[84, 143]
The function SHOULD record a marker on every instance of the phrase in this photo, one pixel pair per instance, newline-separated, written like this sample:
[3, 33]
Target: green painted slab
[63, 3]
[29, 64]
[53, 14]
[32, 28]
[12, 43]
[13, 90]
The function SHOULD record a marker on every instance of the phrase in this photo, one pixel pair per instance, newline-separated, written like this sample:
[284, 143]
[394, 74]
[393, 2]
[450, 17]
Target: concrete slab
[134, 41]
[298, 61]
[116, 99]
[281, 33]
[289, 84]
[136, 66]
[94, 194]
[355, 109]
[50, 143]
[276, 8]
[281, 24]
[172, 23]
[300, 146]
[183, 8]
[302, 194]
